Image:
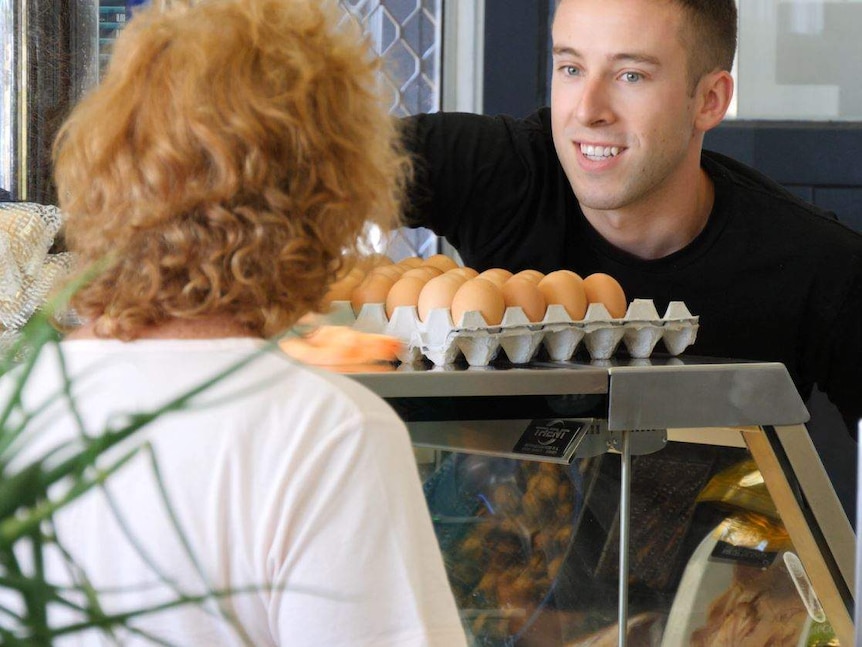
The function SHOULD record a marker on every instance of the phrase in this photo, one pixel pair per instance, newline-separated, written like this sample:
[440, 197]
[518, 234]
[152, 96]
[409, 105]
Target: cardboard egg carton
[443, 341]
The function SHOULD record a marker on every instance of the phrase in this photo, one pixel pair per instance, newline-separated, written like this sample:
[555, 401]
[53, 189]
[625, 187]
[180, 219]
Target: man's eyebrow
[634, 57]
[622, 57]
[565, 51]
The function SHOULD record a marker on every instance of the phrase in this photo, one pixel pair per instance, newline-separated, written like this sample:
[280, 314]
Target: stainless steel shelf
[642, 394]
[464, 381]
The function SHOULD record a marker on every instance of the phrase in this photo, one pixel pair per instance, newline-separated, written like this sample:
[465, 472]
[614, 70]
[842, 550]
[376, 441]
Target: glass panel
[518, 540]
[407, 33]
[532, 551]
[798, 59]
[112, 18]
[714, 559]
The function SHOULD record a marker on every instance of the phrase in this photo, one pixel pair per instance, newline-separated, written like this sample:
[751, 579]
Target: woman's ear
[713, 95]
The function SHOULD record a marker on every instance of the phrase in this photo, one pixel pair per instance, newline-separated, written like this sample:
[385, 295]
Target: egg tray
[441, 341]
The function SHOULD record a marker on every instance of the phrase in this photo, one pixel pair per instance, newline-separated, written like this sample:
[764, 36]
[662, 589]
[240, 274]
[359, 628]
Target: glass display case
[666, 502]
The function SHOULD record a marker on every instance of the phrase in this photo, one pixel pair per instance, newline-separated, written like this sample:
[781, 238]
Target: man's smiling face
[621, 106]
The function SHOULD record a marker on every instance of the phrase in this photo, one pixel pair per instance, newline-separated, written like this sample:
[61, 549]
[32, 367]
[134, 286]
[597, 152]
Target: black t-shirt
[771, 277]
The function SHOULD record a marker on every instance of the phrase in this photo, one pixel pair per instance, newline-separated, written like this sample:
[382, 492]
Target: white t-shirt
[294, 484]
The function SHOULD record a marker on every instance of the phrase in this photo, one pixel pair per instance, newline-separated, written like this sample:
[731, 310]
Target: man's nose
[594, 104]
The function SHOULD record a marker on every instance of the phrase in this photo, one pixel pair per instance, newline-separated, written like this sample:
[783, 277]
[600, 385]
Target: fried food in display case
[505, 527]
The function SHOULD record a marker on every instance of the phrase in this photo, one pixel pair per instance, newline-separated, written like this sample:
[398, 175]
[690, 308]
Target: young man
[218, 177]
[612, 178]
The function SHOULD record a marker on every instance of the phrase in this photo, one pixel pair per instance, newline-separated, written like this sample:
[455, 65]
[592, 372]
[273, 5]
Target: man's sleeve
[470, 174]
[842, 376]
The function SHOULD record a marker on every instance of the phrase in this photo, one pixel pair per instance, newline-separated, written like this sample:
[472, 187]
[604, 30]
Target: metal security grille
[408, 35]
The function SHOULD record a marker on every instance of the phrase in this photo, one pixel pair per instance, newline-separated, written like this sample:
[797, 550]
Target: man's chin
[598, 198]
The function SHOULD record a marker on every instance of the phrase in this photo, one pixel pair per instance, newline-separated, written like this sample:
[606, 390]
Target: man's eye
[570, 70]
[632, 77]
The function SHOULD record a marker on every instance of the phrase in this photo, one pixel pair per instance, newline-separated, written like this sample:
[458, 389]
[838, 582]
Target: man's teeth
[599, 152]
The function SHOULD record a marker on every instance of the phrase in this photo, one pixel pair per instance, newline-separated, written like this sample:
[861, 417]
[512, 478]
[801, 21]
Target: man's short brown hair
[709, 35]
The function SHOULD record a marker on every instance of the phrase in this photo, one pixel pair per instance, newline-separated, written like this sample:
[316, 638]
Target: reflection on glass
[531, 550]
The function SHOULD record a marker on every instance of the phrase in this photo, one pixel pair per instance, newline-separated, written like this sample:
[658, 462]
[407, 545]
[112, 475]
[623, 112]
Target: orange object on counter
[339, 346]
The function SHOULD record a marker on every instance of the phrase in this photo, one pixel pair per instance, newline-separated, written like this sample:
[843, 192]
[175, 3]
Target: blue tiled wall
[817, 161]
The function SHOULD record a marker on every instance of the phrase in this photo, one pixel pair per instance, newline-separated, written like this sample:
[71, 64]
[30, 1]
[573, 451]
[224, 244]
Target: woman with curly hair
[211, 186]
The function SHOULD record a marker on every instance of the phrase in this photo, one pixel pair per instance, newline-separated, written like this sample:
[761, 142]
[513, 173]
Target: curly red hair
[235, 150]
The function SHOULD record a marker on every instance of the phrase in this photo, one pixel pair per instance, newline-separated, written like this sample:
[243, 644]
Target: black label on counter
[549, 438]
[725, 552]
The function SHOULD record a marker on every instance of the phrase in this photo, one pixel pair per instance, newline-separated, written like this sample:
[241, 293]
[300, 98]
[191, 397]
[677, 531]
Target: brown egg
[392, 271]
[531, 275]
[350, 272]
[458, 277]
[373, 289]
[370, 261]
[349, 263]
[521, 292]
[356, 272]
[441, 262]
[410, 262]
[565, 288]
[605, 289]
[466, 272]
[482, 295]
[404, 292]
[342, 289]
[423, 272]
[438, 293]
[497, 276]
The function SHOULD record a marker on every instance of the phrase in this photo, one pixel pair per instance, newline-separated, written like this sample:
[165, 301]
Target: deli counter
[666, 502]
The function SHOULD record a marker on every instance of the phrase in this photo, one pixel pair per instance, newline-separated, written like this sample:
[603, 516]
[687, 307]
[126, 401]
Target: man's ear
[713, 95]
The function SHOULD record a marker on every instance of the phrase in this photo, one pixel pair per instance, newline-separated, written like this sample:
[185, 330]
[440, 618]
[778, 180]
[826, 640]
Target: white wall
[799, 59]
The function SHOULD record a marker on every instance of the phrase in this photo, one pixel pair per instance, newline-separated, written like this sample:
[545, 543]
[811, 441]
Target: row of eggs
[439, 282]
